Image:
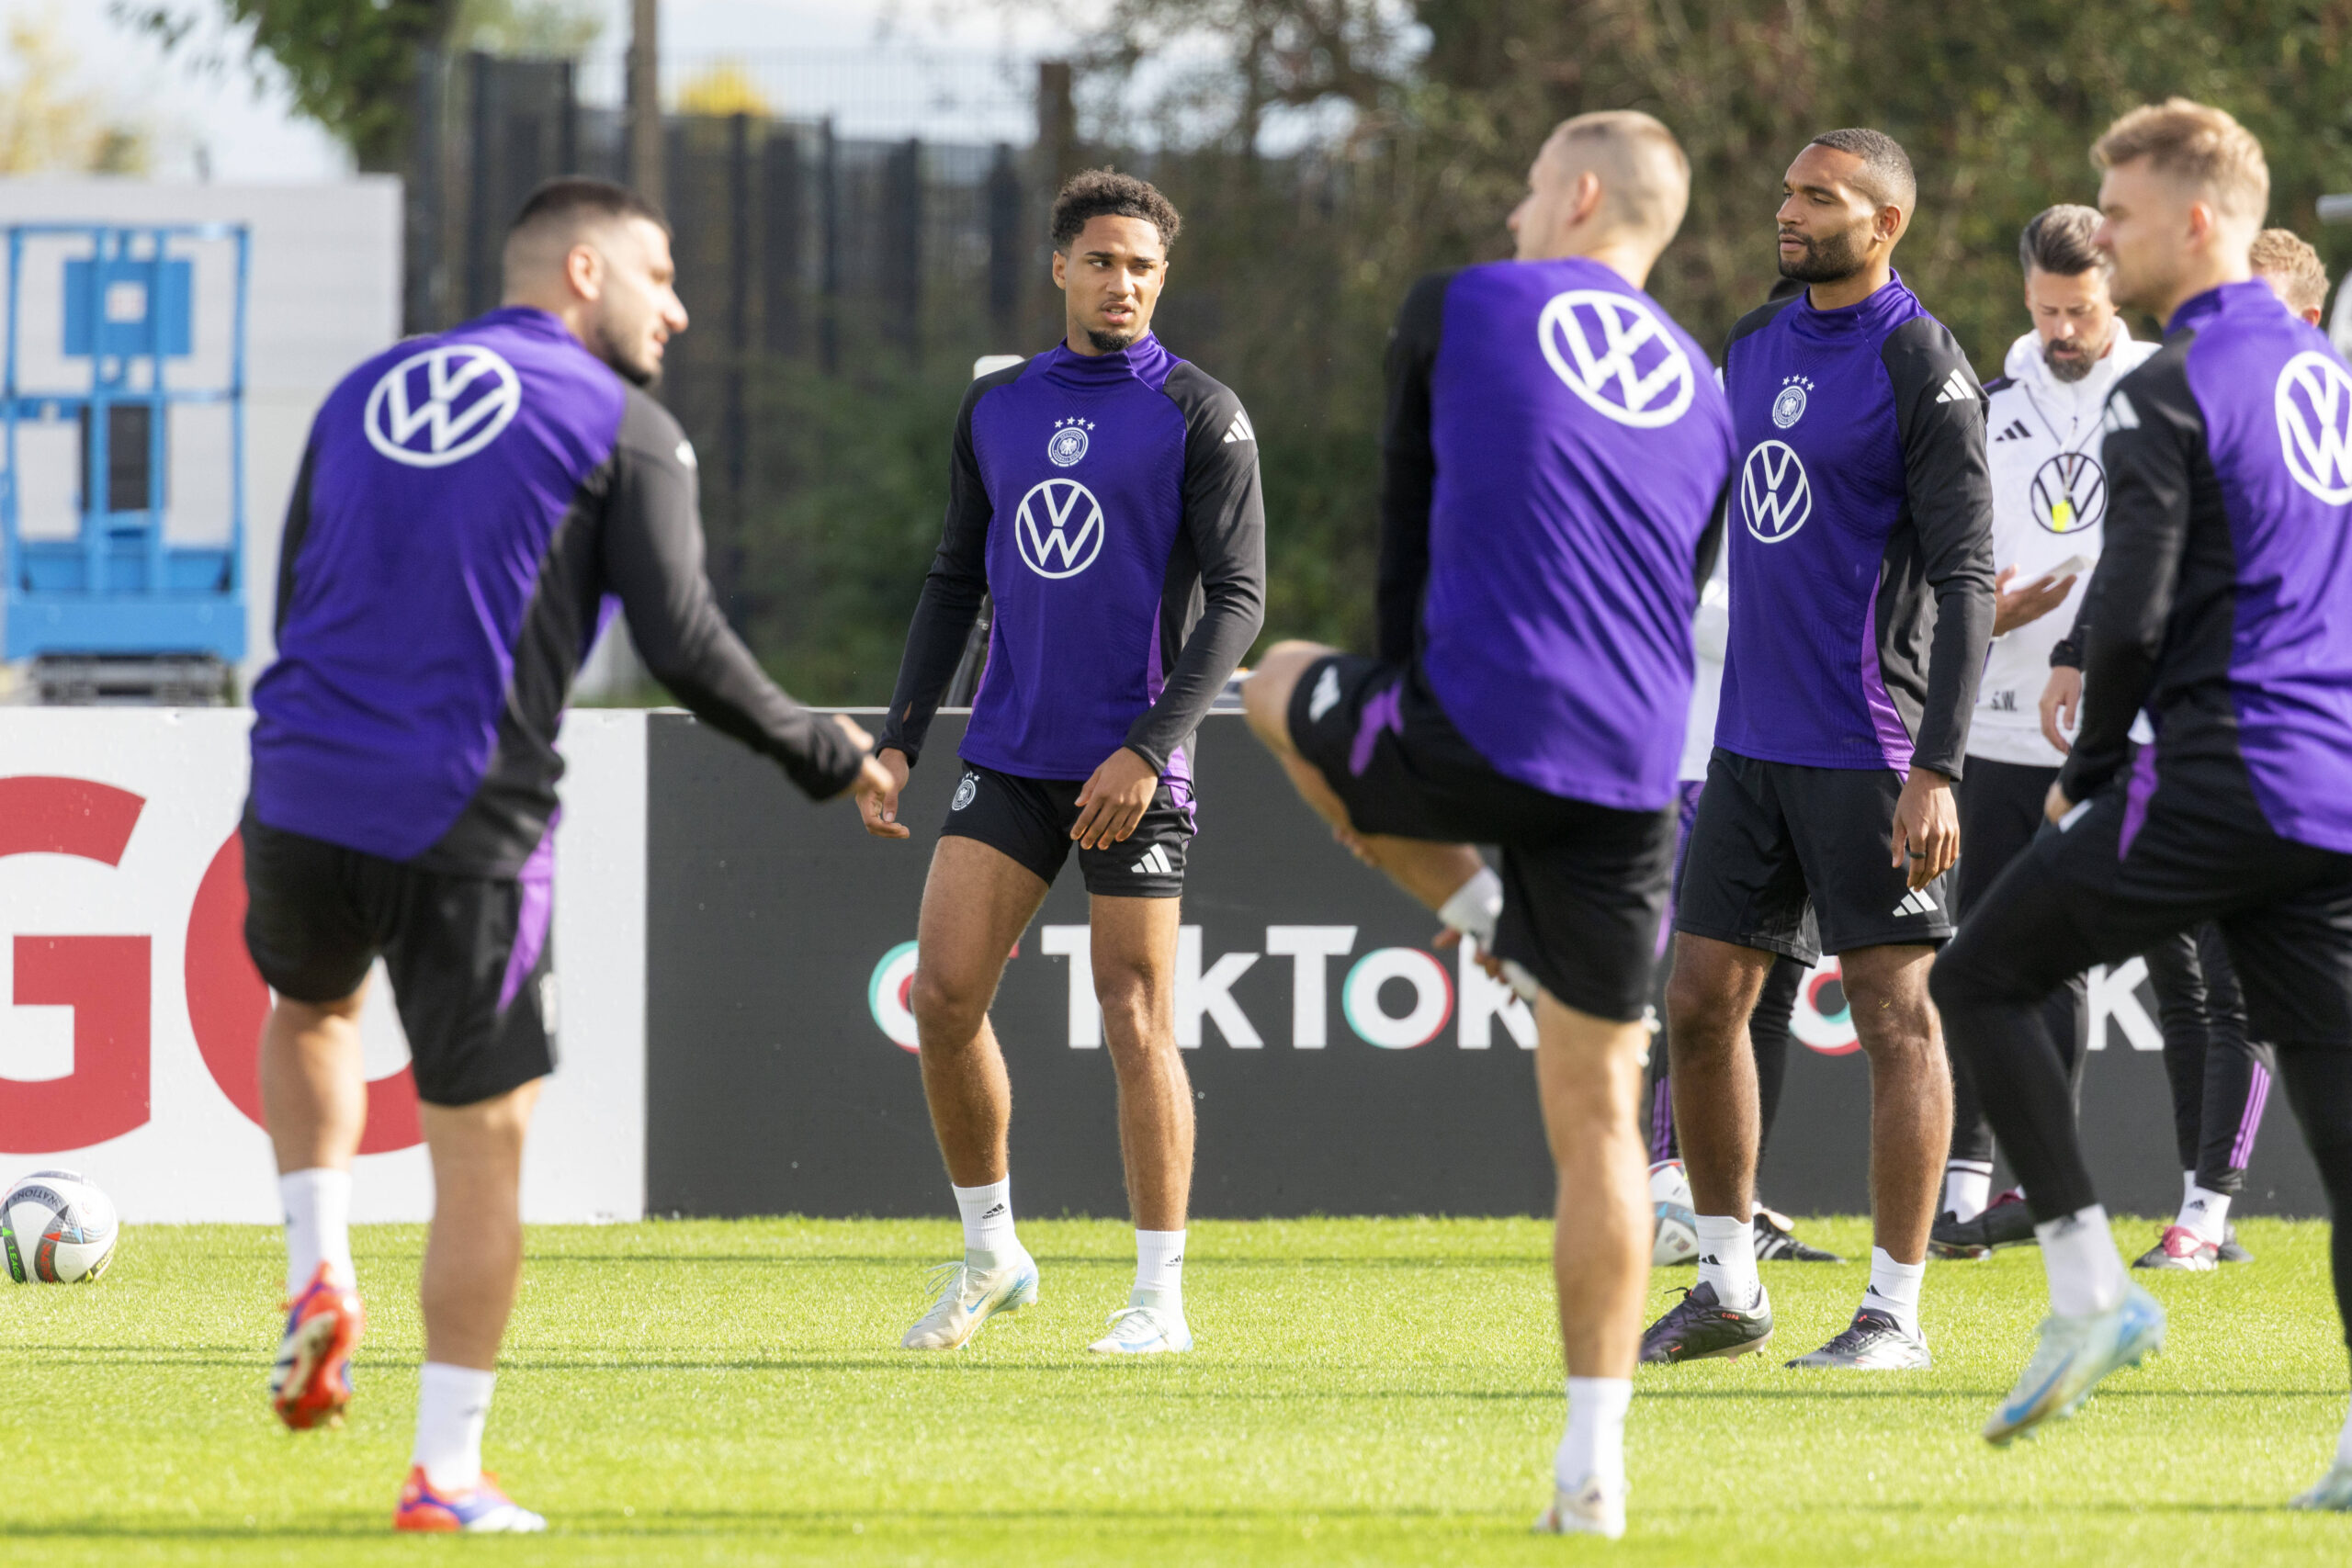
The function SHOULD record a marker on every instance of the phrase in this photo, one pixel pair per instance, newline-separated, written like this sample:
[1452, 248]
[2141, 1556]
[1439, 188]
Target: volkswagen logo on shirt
[442, 405]
[1775, 497]
[1615, 354]
[1059, 528]
[2069, 493]
[2314, 402]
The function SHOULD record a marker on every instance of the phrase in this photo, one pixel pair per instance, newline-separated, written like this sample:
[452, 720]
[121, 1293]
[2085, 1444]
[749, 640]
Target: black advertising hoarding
[1342, 1064]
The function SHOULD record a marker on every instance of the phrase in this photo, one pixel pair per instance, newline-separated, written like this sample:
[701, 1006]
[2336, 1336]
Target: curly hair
[1106, 193]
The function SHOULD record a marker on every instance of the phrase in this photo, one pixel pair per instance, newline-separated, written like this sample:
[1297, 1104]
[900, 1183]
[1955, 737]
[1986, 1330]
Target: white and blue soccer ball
[1676, 1240]
[57, 1228]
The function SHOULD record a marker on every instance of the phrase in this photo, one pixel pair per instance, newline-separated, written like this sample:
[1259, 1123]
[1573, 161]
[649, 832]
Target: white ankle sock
[452, 1403]
[1159, 1263]
[1593, 1448]
[988, 1217]
[1968, 1186]
[2078, 1253]
[1727, 1260]
[318, 1226]
[1894, 1288]
[1476, 906]
[2206, 1212]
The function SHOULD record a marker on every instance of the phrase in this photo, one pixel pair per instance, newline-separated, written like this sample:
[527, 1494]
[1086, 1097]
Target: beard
[1830, 260]
[2075, 367]
[1110, 343]
[631, 368]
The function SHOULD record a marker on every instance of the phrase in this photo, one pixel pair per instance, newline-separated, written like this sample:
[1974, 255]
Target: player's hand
[2029, 604]
[2055, 805]
[855, 730]
[2062, 702]
[1927, 826]
[877, 789]
[1114, 800]
[1448, 937]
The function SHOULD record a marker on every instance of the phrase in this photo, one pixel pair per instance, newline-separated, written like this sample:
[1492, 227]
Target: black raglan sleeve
[1408, 469]
[952, 592]
[1940, 411]
[1224, 530]
[290, 540]
[2154, 434]
[654, 560]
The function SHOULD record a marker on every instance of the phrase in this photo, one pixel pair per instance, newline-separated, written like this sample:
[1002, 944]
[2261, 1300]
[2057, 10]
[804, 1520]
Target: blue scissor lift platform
[116, 612]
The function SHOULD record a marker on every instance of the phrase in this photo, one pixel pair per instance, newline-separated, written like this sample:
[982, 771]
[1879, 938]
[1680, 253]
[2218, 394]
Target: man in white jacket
[2049, 498]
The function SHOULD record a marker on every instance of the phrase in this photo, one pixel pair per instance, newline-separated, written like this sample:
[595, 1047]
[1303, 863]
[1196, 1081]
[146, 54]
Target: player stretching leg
[1094, 490]
[1554, 451]
[2224, 607]
[2049, 498]
[1861, 518]
[440, 583]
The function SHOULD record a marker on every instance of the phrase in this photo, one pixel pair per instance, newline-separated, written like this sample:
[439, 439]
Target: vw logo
[2069, 493]
[1615, 354]
[1058, 526]
[442, 405]
[1775, 497]
[2315, 407]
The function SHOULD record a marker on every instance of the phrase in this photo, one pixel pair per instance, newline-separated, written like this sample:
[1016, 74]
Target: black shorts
[1029, 821]
[470, 957]
[1796, 861]
[1584, 886]
[2158, 851]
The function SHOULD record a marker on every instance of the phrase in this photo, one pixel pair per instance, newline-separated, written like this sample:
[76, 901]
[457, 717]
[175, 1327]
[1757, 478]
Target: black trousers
[2219, 1074]
[2159, 851]
[2000, 811]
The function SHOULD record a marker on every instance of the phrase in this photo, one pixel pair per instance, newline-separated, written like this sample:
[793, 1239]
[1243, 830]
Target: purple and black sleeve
[1408, 469]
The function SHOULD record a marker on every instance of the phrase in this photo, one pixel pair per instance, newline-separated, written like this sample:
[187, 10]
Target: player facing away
[2049, 497]
[468, 509]
[1105, 493]
[1861, 601]
[2223, 606]
[1554, 451]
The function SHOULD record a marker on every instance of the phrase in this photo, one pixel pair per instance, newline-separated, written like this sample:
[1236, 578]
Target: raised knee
[945, 1003]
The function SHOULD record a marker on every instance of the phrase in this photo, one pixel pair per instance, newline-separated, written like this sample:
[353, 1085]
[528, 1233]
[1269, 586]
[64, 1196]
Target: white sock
[1894, 1288]
[1159, 1265]
[1727, 1260]
[452, 1403]
[1968, 1186]
[1593, 1448]
[318, 1226]
[2206, 1212]
[988, 1222]
[1476, 906]
[2078, 1253]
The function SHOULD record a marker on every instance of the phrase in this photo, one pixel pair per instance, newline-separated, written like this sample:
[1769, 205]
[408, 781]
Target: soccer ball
[57, 1228]
[1677, 1237]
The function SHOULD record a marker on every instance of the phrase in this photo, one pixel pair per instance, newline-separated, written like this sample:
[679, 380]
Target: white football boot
[1593, 1508]
[1152, 1323]
[968, 1297]
[2333, 1493]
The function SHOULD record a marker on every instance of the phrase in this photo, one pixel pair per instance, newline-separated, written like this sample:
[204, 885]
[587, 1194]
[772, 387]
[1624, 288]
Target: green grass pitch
[1365, 1391]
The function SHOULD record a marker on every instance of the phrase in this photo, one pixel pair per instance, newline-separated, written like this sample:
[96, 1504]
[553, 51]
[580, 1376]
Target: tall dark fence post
[785, 223]
[733, 435]
[902, 243]
[829, 276]
[482, 206]
[567, 157]
[428, 195]
[1009, 251]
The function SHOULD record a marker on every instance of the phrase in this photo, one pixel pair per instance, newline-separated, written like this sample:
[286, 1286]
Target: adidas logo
[2120, 415]
[1957, 389]
[993, 1211]
[1155, 862]
[2016, 432]
[1240, 429]
[1915, 902]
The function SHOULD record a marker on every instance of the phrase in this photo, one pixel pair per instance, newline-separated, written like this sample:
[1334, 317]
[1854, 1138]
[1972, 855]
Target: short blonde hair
[2283, 255]
[2199, 146]
[1646, 176]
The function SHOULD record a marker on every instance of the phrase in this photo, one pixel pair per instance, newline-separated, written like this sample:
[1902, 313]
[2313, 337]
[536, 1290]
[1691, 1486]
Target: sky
[237, 131]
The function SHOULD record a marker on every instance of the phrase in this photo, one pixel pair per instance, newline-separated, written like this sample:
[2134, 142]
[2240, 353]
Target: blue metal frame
[117, 587]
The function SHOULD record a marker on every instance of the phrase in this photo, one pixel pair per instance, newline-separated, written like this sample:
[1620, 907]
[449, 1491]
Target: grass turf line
[1365, 1391]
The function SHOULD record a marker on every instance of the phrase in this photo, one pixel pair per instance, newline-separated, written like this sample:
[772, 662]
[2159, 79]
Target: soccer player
[465, 505]
[1552, 454]
[2223, 607]
[2049, 498]
[1106, 493]
[1861, 601]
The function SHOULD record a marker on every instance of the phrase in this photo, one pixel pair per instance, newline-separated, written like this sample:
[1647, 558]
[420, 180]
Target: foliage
[45, 129]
